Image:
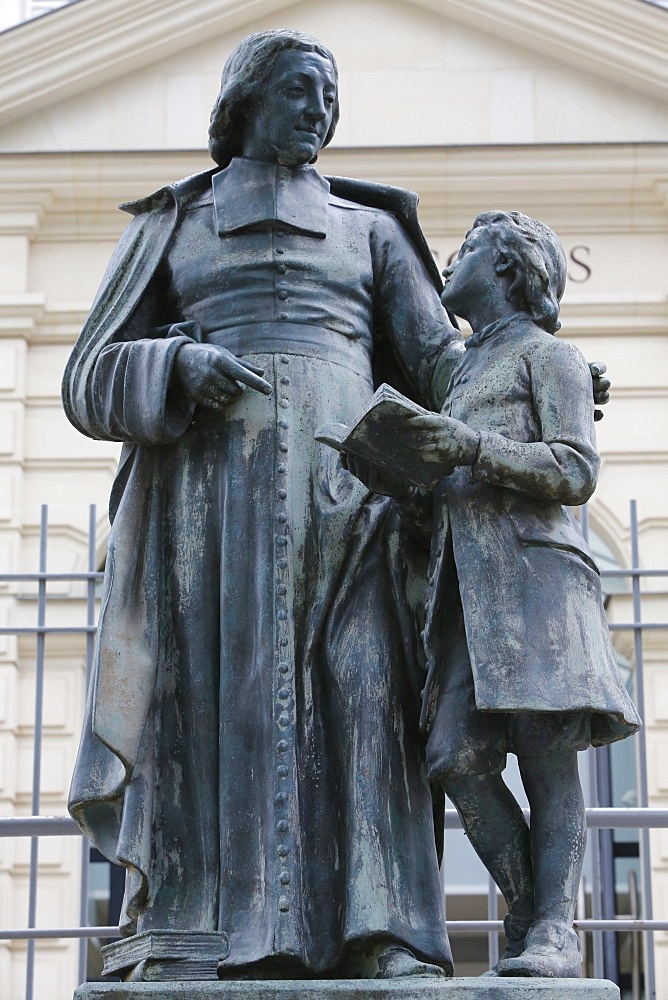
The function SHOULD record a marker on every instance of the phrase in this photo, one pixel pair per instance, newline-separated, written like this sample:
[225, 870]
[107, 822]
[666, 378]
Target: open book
[374, 437]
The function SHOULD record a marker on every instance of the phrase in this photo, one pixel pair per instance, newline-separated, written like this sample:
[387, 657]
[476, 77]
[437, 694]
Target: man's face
[293, 117]
[472, 274]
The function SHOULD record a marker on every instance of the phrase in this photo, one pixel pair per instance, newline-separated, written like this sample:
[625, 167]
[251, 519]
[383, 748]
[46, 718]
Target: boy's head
[531, 256]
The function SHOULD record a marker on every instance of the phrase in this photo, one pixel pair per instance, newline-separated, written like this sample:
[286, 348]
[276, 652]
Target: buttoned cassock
[535, 627]
[250, 751]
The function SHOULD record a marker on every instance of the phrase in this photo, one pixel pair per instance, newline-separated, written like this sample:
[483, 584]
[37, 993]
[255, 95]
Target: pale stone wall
[462, 111]
[142, 75]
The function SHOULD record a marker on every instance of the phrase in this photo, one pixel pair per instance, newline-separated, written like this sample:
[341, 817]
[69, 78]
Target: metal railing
[599, 818]
[37, 826]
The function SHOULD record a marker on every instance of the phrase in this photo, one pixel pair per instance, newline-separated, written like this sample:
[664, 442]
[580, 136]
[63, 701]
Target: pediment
[143, 74]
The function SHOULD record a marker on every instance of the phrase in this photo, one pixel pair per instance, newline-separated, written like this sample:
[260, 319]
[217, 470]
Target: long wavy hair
[243, 82]
[535, 258]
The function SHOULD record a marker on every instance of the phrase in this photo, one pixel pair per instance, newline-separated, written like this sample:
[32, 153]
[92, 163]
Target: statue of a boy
[518, 653]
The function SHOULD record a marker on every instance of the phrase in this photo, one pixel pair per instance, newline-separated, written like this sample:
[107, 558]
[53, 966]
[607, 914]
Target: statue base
[409, 988]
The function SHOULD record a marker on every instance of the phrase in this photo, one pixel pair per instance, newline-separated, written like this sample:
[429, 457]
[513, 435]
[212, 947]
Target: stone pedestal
[358, 989]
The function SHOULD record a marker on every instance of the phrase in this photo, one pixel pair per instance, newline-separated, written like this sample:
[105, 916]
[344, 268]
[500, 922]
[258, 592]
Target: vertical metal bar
[606, 843]
[492, 914]
[594, 841]
[37, 754]
[645, 862]
[635, 944]
[90, 642]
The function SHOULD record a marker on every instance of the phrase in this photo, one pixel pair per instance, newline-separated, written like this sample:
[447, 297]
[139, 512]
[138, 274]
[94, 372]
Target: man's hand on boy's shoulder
[600, 386]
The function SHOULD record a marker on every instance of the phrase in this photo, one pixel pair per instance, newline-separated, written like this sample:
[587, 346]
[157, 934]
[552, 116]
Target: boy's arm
[564, 464]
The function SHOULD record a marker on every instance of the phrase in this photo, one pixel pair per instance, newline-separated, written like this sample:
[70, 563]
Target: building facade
[552, 107]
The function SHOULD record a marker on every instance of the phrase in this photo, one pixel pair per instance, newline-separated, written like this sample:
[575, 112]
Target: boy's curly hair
[531, 251]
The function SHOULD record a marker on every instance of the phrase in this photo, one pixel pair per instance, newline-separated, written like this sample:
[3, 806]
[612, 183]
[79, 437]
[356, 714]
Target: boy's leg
[558, 832]
[466, 752]
[558, 840]
[498, 832]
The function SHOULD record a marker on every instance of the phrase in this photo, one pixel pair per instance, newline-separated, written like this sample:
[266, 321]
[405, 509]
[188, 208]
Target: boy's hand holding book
[395, 442]
[445, 441]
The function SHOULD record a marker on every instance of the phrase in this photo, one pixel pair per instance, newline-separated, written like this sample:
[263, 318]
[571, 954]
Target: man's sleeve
[117, 381]
[409, 321]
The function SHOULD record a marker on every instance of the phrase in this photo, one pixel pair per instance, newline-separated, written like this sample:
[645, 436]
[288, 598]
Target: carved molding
[84, 45]
[621, 40]
[601, 188]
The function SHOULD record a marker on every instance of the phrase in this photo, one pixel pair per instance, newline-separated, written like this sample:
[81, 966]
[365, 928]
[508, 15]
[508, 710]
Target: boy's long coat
[530, 590]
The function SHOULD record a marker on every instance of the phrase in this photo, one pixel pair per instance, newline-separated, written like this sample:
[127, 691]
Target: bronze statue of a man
[251, 751]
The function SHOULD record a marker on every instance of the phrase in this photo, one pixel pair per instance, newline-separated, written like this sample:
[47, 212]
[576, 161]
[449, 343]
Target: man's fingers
[216, 391]
[598, 368]
[251, 367]
[214, 403]
[252, 381]
[212, 400]
[235, 369]
[216, 384]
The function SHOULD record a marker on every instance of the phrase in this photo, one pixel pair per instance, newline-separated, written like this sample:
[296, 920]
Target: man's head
[259, 111]
[532, 259]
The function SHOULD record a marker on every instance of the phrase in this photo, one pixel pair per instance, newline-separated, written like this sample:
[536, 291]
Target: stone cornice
[602, 188]
[37, 177]
[624, 41]
[90, 42]
[93, 41]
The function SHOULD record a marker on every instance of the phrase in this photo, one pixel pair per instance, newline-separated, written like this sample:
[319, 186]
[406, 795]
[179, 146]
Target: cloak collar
[250, 192]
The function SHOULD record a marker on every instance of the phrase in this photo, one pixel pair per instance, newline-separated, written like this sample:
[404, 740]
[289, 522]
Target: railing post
[593, 836]
[645, 862]
[492, 914]
[37, 752]
[605, 818]
[90, 644]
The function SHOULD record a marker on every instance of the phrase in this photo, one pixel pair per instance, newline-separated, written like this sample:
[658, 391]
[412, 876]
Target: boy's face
[472, 273]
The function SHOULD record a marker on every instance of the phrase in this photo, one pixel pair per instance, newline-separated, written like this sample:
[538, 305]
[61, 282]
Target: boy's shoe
[552, 950]
[516, 931]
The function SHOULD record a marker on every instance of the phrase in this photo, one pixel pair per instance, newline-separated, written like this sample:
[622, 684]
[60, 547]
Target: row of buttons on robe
[283, 689]
[282, 291]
